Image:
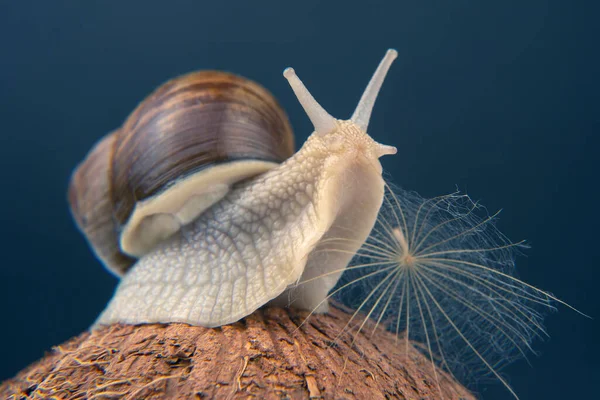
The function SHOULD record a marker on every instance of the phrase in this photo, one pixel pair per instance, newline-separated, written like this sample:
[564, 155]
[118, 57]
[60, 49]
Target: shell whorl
[91, 208]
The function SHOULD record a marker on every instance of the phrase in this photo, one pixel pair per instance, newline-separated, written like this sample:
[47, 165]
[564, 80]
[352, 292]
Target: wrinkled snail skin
[259, 239]
[263, 236]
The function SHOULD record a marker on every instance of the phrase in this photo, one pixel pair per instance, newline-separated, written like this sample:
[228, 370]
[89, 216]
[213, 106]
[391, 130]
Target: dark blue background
[501, 99]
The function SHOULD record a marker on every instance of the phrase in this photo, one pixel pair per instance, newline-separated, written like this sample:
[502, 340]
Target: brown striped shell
[177, 153]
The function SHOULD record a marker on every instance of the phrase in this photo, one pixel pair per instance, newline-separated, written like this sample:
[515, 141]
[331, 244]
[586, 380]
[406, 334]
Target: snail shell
[179, 152]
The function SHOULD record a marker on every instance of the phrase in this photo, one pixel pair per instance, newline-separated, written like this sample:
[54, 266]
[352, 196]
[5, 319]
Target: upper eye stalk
[321, 119]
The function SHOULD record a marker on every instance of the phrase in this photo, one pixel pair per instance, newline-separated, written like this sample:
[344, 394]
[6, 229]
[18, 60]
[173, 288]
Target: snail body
[250, 245]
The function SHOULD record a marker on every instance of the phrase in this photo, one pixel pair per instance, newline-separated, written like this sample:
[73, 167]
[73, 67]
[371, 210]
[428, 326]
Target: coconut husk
[271, 354]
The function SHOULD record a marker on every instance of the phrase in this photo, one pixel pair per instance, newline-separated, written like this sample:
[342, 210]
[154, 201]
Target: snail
[204, 236]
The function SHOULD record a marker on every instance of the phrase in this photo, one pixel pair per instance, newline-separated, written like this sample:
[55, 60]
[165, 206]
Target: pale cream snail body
[199, 203]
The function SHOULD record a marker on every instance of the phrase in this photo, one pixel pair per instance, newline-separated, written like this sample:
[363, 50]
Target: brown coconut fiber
[270, 354]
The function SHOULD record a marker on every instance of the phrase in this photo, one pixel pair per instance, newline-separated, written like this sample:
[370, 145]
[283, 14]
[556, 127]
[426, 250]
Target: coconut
[274, 353]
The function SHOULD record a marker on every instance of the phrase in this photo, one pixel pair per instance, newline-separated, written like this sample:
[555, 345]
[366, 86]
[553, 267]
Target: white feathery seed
[438, 272]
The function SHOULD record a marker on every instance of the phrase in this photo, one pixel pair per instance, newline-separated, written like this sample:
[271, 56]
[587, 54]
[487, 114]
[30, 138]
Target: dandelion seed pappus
[438, 274]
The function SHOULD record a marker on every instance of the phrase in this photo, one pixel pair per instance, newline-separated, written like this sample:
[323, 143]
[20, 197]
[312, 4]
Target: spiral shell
[178, 152]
